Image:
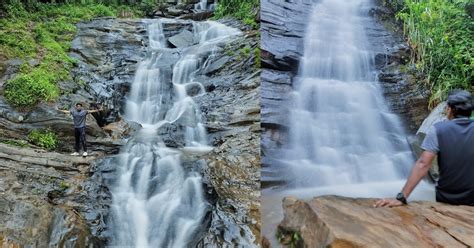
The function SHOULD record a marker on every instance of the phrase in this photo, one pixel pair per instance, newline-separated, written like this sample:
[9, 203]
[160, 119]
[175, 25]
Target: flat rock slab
[40, 157]
[184, 39]
[333, 221]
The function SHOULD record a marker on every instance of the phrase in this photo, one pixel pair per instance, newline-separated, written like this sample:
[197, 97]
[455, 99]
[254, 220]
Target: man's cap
[460, 99]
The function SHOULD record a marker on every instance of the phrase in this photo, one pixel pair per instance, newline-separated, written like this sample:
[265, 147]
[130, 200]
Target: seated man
[453, 142]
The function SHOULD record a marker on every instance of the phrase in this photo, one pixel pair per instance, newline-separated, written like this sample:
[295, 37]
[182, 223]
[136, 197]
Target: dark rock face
[182, 10]
[108, 52]
[406, 94]
[231, 112]
[282, 29]
[282, 25]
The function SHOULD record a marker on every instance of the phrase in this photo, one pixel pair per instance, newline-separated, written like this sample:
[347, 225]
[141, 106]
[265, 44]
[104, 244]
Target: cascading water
[204, 5]
[343, 140]
[156, 202]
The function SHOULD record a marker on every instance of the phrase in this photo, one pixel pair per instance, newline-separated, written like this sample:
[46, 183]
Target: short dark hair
[460, 101]
[78, 104]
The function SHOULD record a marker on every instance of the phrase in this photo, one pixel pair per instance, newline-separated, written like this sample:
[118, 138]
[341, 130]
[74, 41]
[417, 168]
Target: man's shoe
[84, 154]
[75, 154]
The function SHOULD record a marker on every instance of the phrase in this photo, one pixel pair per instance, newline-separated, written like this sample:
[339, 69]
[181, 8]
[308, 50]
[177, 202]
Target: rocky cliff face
[406, 93]
[48, 198]
[333, 221]
[232, 114]
[282, 29]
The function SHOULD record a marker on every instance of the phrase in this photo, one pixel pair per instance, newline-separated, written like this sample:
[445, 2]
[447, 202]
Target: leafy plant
[257, 52]
[63, 185]
[245, 52]
[46, 139]
[440, 35]
[245, 10]
[43, 32]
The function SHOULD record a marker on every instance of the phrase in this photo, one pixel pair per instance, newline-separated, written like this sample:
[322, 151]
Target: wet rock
[107, 51]
[121, 129]
[275, 98]
[231, 113]
[405, 92]
[172, 135]
[198, 16]
[182, 10]
[282, 28]
[216, 65]
[339, 221]
[184, 39]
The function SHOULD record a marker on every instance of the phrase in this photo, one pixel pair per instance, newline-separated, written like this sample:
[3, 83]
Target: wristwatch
[401, 198]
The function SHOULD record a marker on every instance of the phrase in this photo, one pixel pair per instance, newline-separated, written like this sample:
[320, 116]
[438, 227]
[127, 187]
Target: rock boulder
[334, 221]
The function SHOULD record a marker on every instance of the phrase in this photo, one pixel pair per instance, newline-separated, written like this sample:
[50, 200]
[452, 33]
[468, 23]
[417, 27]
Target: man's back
[456, 161]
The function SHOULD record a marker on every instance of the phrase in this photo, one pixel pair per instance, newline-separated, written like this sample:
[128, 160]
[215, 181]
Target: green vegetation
[244, 52]
[46, 139]
[440, 33]
[18, 143]
[63, 185]
[258, 58]
[41, 34]
[289, 239]
[245, 10]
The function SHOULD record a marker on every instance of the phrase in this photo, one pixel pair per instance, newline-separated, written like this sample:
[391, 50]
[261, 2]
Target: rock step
[39, 157]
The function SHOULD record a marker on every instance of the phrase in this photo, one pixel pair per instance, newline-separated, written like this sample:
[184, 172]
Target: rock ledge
[334, 221]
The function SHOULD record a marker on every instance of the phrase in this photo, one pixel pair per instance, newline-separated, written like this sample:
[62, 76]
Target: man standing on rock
[79, 118]
[453, 142]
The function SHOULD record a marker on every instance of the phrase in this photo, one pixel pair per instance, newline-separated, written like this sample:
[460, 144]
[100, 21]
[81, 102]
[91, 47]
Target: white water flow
[205, 5]
[343, 138]
[156, 202]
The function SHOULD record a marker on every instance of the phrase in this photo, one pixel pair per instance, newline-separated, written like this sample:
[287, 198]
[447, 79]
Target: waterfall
[156, 202]
[204, 5]
[343, 139]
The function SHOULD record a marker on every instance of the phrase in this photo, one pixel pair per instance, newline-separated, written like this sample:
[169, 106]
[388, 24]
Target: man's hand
[388, 202]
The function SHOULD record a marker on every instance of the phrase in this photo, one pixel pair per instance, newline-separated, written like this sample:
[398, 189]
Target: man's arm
[64, 111]
[420, 170]
[94, 111]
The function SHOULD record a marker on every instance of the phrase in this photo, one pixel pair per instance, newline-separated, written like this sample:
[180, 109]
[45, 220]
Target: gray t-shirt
[79, 118]
[430, 143]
